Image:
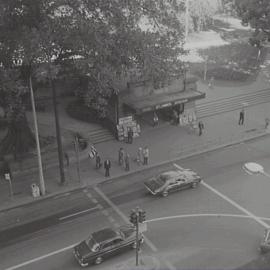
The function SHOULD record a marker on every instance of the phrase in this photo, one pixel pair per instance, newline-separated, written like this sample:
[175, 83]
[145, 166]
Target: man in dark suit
[107, 166]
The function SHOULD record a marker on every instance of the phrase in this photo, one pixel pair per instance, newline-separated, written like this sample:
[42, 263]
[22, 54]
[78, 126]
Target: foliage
[256, 13]
[234, 62]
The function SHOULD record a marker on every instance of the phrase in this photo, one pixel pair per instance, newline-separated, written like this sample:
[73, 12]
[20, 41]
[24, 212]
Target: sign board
[7, 177]
[142, 227]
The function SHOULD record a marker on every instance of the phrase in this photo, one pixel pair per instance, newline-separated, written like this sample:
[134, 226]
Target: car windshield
[92, 244]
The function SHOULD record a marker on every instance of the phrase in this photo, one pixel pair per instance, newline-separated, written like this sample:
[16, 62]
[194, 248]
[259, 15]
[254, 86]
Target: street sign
[142, 227]
[7, 177]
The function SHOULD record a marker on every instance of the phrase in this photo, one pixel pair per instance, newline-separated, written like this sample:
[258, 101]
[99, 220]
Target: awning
[158, 101]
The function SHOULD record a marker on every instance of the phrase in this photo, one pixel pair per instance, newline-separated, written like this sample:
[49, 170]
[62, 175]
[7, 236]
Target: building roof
[158, 101]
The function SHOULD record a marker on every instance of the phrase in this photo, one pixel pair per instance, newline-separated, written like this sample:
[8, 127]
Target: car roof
[185, 174]
[104, 235]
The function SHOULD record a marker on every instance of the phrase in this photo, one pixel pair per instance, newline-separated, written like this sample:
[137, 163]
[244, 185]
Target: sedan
[171, 181]
[106, 243]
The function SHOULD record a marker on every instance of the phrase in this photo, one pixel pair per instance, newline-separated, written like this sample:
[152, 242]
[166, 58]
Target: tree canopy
[255, 13]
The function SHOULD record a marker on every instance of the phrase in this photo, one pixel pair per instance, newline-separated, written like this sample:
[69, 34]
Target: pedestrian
[266, 122]
[130, 135]
[107, 166]
[241, 117]
[201, 127]
[211, 82]
[121, 154]
[127, 162]
[139, 156]
[155, 119]
[145, 155]
[98, 161]
[66, 158]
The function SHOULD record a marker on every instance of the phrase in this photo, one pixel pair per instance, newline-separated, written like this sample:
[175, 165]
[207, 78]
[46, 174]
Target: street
[218, 225]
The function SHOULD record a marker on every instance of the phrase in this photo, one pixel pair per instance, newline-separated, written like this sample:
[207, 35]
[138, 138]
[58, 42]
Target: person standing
[121, 153]
[67, 158]
[127, 168]
[139, 156]
[241, 117]
[107, 166]
[145, 155]
[201, 127]
[266, 122]
[130, 135]
[98, 161]
[155, 119]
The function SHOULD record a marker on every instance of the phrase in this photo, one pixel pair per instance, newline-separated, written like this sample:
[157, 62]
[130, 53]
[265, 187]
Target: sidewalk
[165, 142]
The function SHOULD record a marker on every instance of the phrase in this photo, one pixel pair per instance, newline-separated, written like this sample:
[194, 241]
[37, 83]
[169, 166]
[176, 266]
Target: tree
[255, 13]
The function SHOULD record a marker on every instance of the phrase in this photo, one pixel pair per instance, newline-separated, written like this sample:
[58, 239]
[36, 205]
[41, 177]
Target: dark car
[265, 243]
[171, 181]
[106, 243]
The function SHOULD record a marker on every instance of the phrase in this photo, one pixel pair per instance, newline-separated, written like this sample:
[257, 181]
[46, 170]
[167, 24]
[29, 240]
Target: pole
[76, 145]
[40, 169]
[186, 19]
[57, 128]
[137, 239]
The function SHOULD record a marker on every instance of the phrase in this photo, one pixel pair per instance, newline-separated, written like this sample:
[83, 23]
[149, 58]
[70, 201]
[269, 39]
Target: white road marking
[235, 204]
[40, 258]
[121, 214]
[78, 213]
[178, 167]
[201, 215]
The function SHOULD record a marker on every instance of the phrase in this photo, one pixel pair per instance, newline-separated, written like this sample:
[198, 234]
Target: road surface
[218, 225]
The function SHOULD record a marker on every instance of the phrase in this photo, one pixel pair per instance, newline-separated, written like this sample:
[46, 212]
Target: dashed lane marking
[235, 204]
[78, 213]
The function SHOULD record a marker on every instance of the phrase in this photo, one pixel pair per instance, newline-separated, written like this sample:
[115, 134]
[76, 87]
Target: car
[105, 243]
[265, 243]
[173, 180]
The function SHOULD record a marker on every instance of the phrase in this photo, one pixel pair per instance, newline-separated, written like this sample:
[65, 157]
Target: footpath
[166, 143]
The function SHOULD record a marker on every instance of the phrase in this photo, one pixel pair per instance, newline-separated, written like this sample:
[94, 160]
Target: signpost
[137, 218]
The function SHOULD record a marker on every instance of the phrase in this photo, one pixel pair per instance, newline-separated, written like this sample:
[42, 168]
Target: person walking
[145, 155]
[241, 117]
[201, 127]
[139, 156]
[127, 158]
[107, 166]
[155, 119]
[121, 154]
[98, 161]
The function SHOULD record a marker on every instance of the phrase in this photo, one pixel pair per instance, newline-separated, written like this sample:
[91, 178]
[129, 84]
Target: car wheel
[194, 185]
[165, 193]
[98, 260]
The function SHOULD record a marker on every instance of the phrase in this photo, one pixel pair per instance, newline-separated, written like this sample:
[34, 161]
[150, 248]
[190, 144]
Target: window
[107, 245]
[117, 241]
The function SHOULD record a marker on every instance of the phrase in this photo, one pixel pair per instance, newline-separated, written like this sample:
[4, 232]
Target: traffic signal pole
[137, 239]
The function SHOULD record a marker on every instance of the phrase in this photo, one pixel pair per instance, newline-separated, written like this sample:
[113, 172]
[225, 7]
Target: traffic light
[142, 216]
[133, 217]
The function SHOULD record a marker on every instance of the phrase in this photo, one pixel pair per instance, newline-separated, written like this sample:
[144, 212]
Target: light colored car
[106, 243]
[265, 243]
[171, 181]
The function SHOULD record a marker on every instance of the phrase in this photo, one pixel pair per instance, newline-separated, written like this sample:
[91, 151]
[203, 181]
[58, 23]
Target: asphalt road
[218, 225]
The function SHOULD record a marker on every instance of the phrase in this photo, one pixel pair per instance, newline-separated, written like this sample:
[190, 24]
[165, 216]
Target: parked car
[265, 243]
[105, 243]
[171, 181]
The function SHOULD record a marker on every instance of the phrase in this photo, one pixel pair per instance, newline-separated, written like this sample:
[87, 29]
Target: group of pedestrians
[142, 158]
